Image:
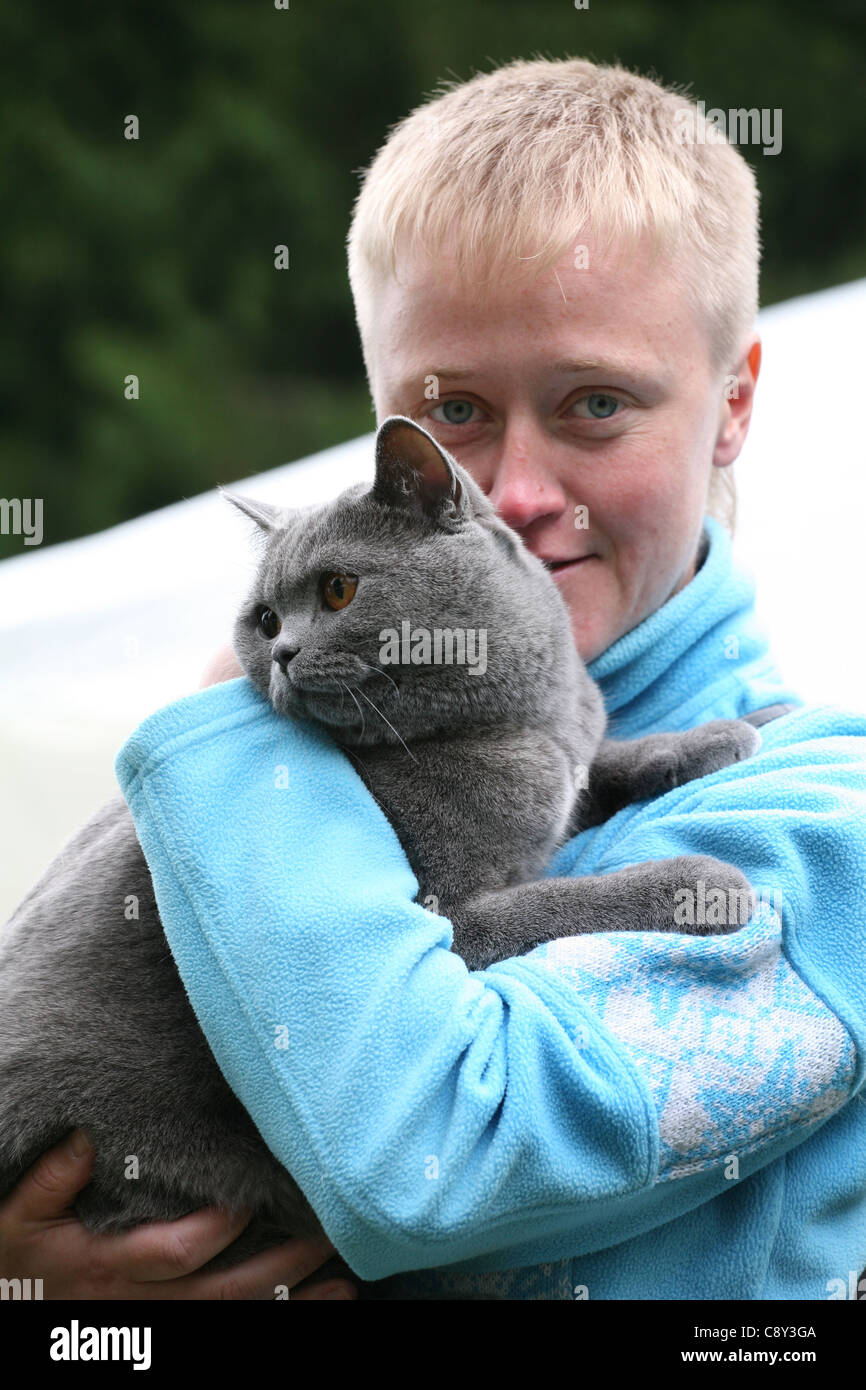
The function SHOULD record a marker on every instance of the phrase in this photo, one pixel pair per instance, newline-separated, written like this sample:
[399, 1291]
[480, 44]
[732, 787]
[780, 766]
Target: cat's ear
[415, 473]
[264, 514]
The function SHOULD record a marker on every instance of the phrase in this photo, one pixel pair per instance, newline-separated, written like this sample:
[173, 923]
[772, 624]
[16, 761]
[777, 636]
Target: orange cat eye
[339, 589]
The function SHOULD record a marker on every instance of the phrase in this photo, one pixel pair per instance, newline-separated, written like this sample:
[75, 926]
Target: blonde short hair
[509, 168]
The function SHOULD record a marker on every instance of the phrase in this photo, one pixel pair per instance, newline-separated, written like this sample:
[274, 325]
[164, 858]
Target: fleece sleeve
[432, 1115]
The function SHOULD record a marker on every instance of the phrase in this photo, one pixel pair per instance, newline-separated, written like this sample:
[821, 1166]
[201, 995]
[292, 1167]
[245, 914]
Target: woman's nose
[525, 486]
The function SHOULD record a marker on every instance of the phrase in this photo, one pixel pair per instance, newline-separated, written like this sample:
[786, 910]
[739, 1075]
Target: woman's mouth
[560, 569]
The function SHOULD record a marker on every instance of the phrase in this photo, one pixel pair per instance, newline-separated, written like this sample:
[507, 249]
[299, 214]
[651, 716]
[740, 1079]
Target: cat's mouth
[338, 697]
[332, 703]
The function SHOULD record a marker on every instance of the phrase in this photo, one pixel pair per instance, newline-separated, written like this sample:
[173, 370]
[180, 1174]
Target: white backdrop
[97, 633]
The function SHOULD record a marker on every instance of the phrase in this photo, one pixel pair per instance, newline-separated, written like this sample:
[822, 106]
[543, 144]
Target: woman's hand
[41, 1238]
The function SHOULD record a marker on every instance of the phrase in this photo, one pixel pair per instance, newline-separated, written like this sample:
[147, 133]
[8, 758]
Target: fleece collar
[704, 642]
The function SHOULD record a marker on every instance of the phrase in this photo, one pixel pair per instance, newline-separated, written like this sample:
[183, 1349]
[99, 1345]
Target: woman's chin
[593, 625]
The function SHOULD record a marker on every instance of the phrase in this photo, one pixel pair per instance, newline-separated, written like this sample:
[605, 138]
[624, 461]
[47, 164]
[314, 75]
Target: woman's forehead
[625, 317]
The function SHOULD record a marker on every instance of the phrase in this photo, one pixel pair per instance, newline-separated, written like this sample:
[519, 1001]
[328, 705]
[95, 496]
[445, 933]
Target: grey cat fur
[477, 772]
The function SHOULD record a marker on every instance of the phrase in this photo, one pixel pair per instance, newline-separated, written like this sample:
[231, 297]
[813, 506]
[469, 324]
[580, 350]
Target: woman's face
[585, 404]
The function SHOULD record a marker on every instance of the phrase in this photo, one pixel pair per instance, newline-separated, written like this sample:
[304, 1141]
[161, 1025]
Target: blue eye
[454, 412]
[599, 404]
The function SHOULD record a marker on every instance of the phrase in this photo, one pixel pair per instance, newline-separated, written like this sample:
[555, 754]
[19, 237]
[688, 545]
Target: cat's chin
[329, 708]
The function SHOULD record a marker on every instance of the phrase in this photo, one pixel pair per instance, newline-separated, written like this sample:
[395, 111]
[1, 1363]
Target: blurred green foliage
[155, 256]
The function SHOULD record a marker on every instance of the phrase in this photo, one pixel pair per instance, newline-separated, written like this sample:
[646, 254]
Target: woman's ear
[736, 407]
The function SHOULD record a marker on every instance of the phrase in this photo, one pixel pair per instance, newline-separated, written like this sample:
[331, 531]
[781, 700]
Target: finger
[172, 1249]
[341, 1290]
[48, 1189]
[260, 1277]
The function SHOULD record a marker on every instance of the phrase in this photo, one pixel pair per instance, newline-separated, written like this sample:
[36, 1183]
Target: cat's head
[405, 609]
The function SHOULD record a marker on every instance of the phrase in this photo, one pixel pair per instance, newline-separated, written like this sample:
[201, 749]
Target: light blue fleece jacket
[609, 1116]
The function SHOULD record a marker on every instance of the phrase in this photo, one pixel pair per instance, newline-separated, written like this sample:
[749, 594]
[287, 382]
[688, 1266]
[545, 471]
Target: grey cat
[479, 771]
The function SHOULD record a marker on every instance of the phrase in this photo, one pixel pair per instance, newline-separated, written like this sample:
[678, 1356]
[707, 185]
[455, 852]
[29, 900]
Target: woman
[561, 285]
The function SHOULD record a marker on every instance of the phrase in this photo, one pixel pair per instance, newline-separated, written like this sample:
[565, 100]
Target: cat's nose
[282, 654]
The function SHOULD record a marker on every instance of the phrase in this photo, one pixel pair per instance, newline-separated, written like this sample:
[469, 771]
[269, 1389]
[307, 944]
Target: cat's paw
[713, 746]
[710, 897]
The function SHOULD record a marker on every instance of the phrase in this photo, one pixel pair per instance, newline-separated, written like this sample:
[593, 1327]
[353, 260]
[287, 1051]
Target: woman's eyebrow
[573, 366]
[648, 373]
[568, 366]
[456, 373]
[410, 379]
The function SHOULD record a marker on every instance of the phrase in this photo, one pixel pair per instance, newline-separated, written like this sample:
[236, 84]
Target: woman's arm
[223, 667]
[434, 1116]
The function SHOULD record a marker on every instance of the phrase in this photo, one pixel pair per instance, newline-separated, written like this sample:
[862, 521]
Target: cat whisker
[360, 711]
[388, 722]
[377, 670]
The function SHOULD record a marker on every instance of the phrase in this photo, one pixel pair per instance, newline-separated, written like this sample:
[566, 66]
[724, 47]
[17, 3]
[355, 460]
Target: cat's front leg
[694, 894]
[624, 771]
